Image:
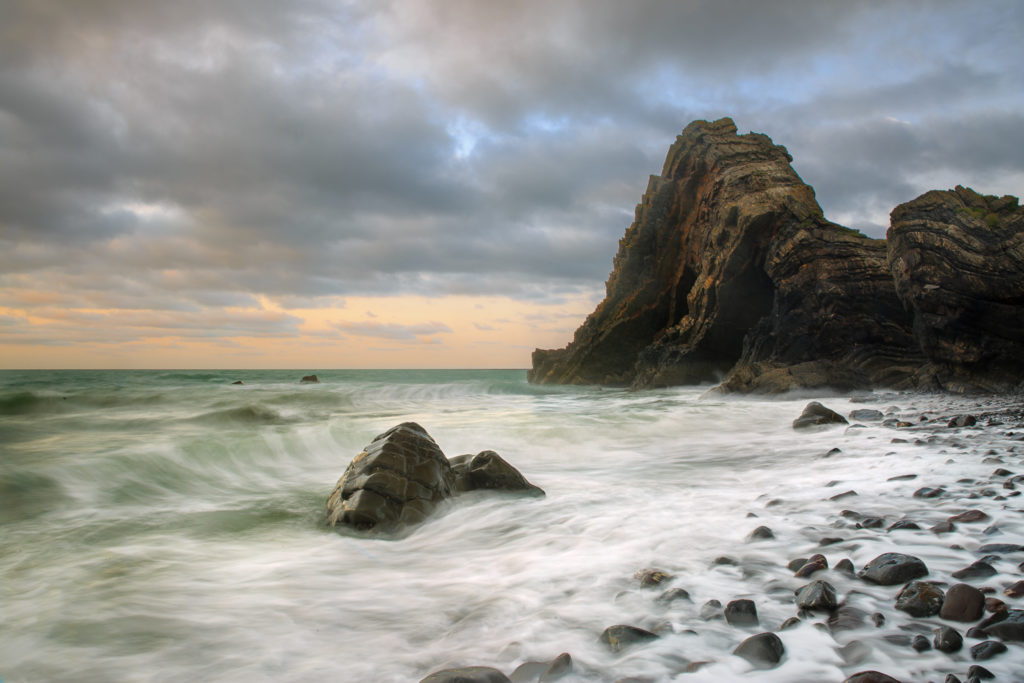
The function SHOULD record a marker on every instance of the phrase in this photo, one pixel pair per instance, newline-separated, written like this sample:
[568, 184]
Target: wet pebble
[987, 650]
[970, 516]
[920, 599]
[817, 595]
[650, 578]
[871, 677]
[813, 564]
[976, 570]
[892, 568]
[673, 594]
[741, 612]
[469, 674]
[764, 650]
[1009, 627]
[948, 639]
[1014, 591]
[622, 636]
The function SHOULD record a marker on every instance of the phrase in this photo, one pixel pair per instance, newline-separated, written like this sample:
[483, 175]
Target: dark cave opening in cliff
[744, 299]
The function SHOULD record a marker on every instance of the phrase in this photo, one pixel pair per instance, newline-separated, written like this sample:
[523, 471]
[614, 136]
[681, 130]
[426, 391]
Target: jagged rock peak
[723, 242]
[730, 273]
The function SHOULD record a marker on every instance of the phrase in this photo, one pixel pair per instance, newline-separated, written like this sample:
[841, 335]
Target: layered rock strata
[957, 260]
[730, 273]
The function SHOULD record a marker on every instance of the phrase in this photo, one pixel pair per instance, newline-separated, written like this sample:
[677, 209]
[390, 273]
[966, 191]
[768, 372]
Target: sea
[168, 526]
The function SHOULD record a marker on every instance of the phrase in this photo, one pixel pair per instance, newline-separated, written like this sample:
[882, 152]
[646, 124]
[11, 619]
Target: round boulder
[920, 599]
[963, 603]
[889, 569]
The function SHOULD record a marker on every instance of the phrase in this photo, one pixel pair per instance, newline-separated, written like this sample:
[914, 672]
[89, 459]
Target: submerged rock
[871, 677]
[621, 636]
[764, 651]
[469, 674]
[817, 415]
[741, 612]
[310, 379]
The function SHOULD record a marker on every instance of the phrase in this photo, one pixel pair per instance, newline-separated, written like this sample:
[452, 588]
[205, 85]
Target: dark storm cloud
[190, 156]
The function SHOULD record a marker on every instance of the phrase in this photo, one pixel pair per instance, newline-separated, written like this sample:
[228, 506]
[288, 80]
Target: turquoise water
[165, 526]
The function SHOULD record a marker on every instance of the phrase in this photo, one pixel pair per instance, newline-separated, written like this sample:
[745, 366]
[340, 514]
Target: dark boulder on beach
[730, 269]
[401, 476]
[488, 470]
[398, 479]
[889, 569]
[817, 415]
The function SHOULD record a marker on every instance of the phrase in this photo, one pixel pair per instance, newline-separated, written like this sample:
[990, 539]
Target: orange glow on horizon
[365, 332]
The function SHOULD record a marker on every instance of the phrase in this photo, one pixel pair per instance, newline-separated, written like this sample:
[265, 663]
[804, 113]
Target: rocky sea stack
[730, 273]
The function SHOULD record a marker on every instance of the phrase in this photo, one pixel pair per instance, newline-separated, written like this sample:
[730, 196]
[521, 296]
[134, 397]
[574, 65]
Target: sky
[390, 184]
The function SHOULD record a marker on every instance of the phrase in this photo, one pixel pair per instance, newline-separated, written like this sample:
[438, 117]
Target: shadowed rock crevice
[730, 273]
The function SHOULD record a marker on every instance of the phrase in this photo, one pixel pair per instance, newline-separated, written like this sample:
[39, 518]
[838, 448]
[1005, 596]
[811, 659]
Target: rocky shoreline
[917, 576]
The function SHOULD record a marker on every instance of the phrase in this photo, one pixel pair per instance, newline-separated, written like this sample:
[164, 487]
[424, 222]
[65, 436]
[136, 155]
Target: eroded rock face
[730, 273]
[957, 259]
[398, 479]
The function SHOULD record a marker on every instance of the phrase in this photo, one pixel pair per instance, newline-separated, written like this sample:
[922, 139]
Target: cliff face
[730, 272]
[957, 260]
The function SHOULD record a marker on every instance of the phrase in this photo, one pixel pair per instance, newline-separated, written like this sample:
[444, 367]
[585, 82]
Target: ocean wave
[249, 414]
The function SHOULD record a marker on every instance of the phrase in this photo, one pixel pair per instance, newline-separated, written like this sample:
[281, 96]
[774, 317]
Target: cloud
[191, 157]
[394, 331]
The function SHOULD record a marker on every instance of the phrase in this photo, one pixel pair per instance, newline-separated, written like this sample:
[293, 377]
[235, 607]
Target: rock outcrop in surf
[730, 273]
[402, 475]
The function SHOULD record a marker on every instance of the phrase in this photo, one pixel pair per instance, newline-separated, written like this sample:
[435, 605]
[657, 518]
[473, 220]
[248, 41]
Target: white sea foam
[180, 538]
